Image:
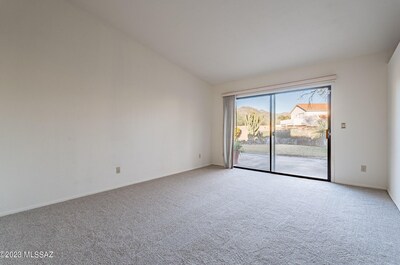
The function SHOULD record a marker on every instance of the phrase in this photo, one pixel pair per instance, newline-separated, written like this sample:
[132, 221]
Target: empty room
[200, 132]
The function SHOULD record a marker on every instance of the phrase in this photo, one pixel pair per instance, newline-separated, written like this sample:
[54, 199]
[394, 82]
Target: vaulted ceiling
[225, 40]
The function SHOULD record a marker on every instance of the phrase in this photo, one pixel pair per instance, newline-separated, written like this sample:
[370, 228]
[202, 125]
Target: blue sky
[285, 102]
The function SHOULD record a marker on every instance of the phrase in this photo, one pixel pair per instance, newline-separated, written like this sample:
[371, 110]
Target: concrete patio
[303, 166]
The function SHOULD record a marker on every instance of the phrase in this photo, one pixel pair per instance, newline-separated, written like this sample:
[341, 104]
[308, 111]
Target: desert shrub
[238, 132]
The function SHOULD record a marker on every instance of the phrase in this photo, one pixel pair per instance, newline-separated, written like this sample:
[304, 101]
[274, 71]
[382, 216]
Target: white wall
[359, 98]
[394, 127]
[78, 98]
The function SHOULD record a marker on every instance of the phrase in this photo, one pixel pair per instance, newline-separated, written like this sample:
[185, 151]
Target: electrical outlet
[118, 170]
[199, 155]
[343, 125]
[363, 168]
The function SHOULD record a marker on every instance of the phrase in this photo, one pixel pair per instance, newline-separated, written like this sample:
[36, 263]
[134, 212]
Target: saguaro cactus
[253, 122]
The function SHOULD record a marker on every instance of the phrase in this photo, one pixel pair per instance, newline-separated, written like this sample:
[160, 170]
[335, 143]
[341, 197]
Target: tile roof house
[305, 114]
[312, 107]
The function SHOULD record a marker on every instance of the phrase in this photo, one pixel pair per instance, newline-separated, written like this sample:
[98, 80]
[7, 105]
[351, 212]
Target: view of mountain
[265, 115]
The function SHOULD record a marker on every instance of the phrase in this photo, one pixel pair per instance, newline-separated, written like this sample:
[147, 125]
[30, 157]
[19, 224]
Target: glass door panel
[252, 134]
[302, 132]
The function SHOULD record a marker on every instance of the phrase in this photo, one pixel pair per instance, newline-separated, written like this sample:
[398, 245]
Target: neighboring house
[306, 114]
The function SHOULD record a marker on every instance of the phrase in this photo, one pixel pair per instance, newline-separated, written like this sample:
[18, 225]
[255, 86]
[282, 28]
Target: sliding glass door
[301, 132]
[286, 133]
[252, 134]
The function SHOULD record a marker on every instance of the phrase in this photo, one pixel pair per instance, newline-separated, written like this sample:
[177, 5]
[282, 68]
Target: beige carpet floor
[213, 216]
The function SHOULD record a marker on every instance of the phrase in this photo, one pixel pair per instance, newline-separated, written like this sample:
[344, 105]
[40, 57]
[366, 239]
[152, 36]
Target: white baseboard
[360, 185]
[394, 199]
[38, 205]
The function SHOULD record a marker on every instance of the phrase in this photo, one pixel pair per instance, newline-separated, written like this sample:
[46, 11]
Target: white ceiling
[224, 40]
